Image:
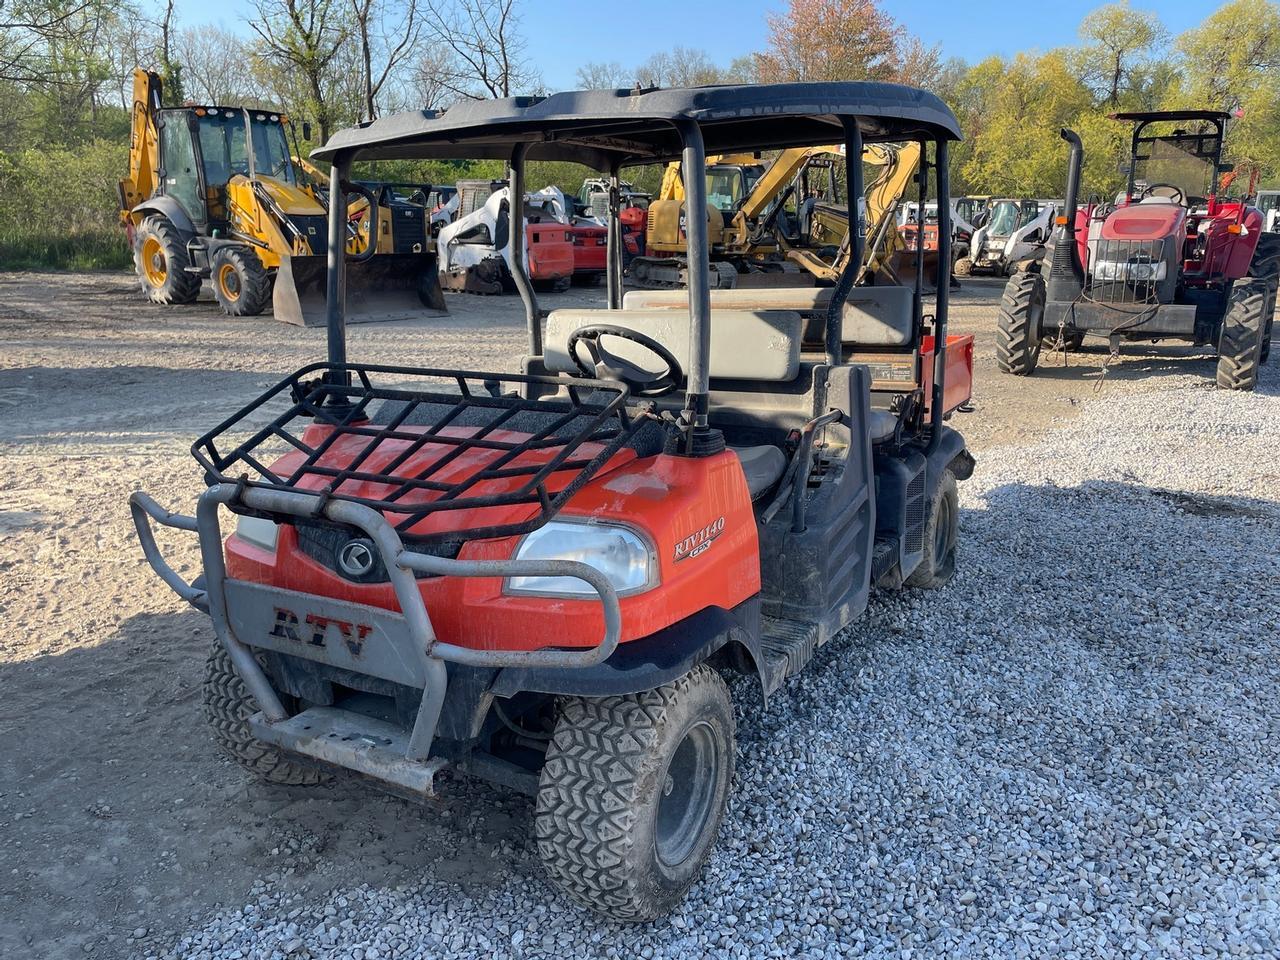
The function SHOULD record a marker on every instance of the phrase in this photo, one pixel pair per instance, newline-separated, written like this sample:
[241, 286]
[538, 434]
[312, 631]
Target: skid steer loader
[213, 194]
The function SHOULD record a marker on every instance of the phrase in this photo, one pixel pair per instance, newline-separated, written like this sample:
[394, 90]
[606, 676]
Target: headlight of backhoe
[1136, 271]
[261, 533]
[621, 554]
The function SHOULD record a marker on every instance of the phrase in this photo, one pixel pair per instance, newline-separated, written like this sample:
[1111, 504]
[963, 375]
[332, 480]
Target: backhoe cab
[213, 194]
[540, 578]
[1170, 259]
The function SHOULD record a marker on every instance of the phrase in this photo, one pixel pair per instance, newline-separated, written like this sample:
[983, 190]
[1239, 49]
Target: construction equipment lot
[1072, 747]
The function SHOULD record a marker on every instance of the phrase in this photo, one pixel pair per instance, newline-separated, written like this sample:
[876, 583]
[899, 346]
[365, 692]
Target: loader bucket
[902, 263]
[386, 287]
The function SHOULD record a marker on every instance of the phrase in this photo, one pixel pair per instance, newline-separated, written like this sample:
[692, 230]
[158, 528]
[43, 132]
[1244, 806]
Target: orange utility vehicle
[539, 578]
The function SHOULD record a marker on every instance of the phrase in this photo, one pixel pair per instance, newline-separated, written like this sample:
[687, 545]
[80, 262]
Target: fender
[650, 662]
[950, 452]
[170, 209]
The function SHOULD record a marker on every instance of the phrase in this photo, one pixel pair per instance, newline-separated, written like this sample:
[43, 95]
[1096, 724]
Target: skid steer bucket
[383, 288]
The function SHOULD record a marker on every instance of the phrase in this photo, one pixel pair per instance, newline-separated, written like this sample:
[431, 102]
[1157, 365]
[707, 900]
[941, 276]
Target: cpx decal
[316, 633]
[700, 540]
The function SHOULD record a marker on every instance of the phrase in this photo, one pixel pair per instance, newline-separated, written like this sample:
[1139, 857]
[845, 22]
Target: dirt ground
[117, 816]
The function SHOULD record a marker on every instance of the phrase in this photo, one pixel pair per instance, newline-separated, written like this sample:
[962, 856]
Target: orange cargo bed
[958, 385]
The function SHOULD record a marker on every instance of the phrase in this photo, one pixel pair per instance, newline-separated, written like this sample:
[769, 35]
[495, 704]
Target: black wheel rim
[687, 792]
[944, 536]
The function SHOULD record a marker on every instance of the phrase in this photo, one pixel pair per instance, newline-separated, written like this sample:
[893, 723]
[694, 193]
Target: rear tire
[941, 534]
[160, 259]
[1020, 324]
[241, 284]
[963, 267]
[633, 792]
[1240, 341]
[228, 706]
[1266, 266]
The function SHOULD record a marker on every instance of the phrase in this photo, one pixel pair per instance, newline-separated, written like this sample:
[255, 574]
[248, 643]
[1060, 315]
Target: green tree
[1120, 43]
[1232, 61]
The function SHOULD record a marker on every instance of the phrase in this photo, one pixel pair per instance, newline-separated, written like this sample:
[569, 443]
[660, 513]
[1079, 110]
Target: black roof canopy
[598, 127]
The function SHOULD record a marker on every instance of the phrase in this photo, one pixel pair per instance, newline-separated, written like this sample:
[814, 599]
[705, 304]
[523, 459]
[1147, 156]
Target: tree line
[66, 65]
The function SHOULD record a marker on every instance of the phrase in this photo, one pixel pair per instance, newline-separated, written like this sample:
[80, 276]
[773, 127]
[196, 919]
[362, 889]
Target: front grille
[1127, 271]
[408, 228]
[323, 544]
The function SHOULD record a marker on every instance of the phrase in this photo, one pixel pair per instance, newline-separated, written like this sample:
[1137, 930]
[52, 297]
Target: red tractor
[1169, 260]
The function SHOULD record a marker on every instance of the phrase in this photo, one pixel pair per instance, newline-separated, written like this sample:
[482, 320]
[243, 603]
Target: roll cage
[610, 129]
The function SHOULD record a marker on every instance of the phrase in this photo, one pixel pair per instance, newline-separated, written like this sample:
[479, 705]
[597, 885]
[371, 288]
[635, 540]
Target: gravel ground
[1069, 752]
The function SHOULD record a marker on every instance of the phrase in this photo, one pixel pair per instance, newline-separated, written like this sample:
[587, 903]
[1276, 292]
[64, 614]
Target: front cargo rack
[529, 440]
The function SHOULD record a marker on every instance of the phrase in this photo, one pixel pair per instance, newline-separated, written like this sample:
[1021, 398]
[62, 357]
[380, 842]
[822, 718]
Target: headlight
[622, 555]
[1138, 271]
[261, 533]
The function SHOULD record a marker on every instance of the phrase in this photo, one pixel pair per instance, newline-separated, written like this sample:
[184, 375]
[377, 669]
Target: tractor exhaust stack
[1066, 272]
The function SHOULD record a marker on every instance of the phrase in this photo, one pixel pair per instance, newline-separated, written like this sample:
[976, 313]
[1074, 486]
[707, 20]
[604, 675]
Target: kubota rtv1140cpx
[539, 578]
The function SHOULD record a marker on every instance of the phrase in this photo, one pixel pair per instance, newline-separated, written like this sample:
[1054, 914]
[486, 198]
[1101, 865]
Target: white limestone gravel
[1072, 751]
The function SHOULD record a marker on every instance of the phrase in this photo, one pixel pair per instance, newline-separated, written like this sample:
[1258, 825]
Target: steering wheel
[1171, 192]
[610, 366]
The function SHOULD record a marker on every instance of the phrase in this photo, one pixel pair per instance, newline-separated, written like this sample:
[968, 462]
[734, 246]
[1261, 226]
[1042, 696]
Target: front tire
[633, 792]
[1020, 325]
[228, 706]
[941, 534]
[160, 259]
[241, 284]
[963, 267]
[1240, 341]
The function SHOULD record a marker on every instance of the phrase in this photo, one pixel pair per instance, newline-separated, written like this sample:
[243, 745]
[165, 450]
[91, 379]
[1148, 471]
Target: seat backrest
[800, 299]
[872, 316]
[745, 344]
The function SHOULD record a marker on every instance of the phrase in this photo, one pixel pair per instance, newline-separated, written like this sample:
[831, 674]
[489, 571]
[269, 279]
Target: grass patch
[96, 250]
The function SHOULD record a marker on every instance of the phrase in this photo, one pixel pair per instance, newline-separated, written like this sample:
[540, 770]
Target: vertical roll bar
[693, 160]
[336, 259]
[614, 249]
[857, 238]
[943, 178]
[922, 196]
[515, 208]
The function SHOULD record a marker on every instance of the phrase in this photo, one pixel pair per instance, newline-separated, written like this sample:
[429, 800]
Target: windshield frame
[1206, 144]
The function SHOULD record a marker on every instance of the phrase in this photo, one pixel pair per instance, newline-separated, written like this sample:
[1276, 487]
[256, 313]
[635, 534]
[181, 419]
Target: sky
[563, 34]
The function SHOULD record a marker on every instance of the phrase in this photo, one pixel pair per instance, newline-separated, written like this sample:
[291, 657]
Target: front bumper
[397, 646]
[1135, 320]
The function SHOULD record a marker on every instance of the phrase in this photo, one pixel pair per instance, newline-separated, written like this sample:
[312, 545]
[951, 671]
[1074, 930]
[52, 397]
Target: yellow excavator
[751, 223]
[823, 250]
[213, 193]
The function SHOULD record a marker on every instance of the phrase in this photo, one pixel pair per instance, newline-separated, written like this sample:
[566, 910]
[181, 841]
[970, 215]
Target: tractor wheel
[228, 706]
[241, 284]
[161, 260]
[941, 532]
[1266, 266]
[1020, 324]
[633, 792]
[963, 267]
[1240, 341]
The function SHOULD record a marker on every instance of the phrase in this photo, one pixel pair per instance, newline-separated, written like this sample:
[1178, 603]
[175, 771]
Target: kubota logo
[316, 632]
[700, 541]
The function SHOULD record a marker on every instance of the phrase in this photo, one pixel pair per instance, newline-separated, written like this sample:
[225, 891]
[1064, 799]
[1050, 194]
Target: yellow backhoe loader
[212, 193]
